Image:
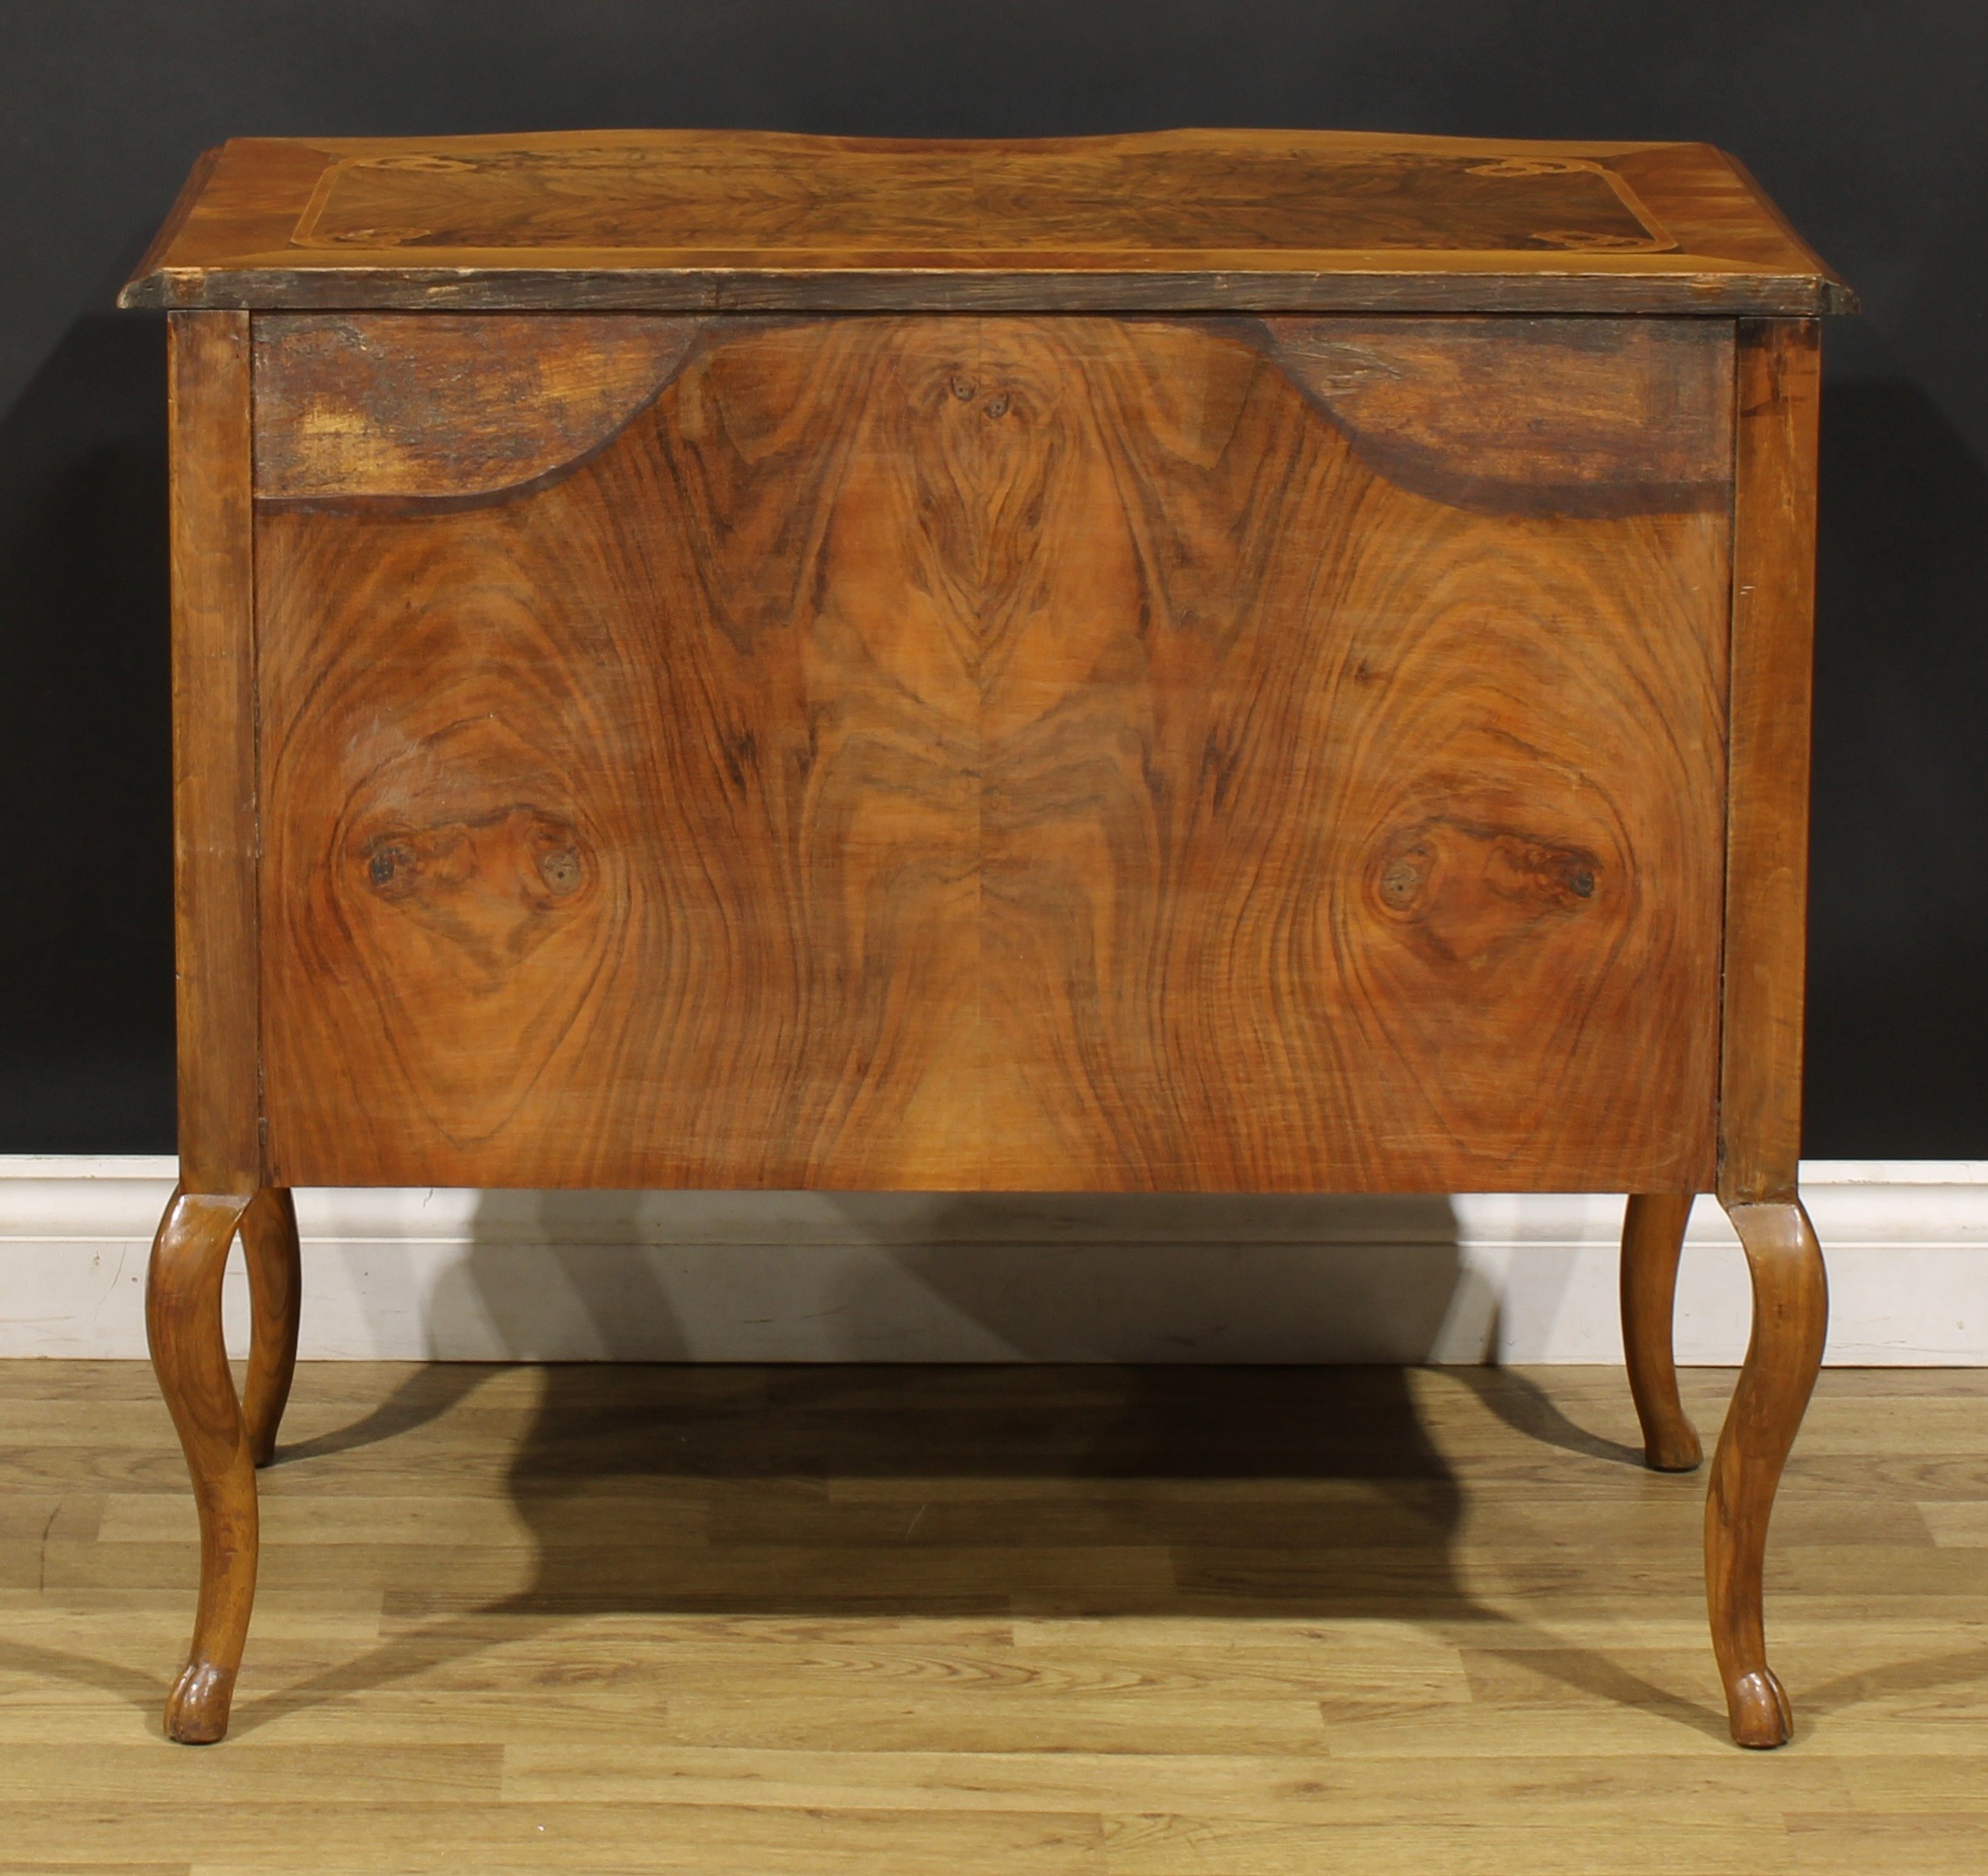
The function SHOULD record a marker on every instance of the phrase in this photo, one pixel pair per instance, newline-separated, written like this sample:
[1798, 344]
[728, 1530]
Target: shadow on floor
[1309, 1493]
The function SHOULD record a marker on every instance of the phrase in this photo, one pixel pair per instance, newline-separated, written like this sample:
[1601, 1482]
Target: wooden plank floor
[1235, 1623]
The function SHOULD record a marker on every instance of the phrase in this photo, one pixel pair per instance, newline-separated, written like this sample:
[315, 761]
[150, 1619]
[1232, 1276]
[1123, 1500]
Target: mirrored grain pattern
[1020, 754]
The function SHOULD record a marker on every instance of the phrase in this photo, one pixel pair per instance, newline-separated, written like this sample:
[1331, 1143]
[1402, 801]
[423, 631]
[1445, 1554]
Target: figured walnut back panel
[1051, 753]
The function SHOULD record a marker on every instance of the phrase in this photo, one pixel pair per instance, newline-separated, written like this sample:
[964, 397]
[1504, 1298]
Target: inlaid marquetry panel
[1051, 753]
[780, 194]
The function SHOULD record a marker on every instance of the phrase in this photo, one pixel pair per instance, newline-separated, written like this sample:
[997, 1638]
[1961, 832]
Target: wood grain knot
[488, 884]
[965, 389]
[1462, 892]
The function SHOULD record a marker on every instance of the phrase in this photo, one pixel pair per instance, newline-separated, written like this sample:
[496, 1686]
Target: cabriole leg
[183, 1325]
[1791, 1318]
[1652, 1238]
[269, 1247]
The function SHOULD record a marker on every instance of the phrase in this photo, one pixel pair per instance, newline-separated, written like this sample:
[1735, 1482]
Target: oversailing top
[1179, 220]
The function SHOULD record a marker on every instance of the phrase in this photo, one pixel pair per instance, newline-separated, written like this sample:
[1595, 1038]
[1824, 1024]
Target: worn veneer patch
[1562, 416]
[427, 406]
[1542, 417]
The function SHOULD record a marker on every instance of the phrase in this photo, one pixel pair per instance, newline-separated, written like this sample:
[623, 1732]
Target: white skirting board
[469, 1276]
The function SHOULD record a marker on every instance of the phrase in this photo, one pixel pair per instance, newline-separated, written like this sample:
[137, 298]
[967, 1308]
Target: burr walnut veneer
[1204, 662]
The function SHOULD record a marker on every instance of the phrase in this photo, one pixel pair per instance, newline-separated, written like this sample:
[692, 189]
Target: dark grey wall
[1868, 120]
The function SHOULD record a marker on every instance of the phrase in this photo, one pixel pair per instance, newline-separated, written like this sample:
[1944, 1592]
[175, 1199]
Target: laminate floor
[1235, 1623]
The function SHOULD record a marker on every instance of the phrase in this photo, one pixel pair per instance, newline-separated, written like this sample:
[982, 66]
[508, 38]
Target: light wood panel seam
[1725, 819]
[254, 667]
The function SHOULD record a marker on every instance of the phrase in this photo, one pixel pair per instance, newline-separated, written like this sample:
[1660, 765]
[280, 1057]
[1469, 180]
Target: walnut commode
[1218, 661]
